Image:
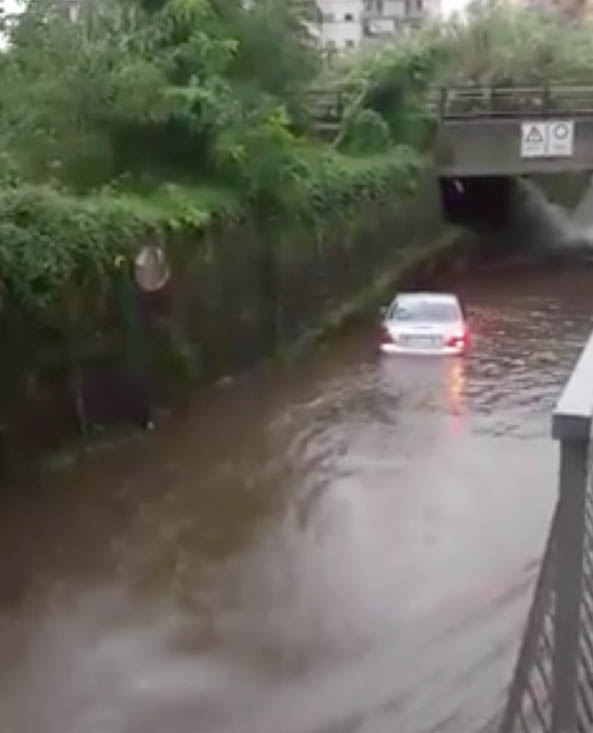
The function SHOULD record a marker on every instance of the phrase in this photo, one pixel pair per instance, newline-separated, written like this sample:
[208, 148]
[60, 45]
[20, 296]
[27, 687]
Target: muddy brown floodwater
[348, 546]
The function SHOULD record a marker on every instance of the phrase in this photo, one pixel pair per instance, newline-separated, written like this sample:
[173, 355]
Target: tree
[143, 87]
[500, 44]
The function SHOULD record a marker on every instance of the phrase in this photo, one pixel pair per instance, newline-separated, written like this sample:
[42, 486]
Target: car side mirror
[383, 311]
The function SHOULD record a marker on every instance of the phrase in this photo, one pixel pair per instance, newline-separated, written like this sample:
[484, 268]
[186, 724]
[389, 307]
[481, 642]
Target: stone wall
[236, 295]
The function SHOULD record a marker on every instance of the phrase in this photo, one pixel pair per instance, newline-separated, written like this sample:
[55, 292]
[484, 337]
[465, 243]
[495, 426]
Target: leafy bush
[54, 244]
[366, 132]
[58, 251]
[51, 242]
[337, 185]
[259, 155]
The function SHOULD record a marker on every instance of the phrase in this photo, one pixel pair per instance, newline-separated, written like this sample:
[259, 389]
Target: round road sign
[560, 131]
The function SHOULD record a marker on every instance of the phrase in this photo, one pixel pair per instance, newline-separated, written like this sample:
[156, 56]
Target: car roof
[432, 297]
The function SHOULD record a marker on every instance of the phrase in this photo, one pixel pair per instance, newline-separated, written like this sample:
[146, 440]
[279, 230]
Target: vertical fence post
[569, 572]
[546, 100]
[443, 103]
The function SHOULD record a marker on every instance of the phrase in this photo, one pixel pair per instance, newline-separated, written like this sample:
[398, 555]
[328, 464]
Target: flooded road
[348, 546]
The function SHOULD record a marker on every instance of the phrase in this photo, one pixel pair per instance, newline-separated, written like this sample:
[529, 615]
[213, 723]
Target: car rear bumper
[393, 349]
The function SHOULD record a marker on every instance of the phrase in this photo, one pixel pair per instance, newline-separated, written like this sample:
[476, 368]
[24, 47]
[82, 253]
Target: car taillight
[385, 337]
[458, 340]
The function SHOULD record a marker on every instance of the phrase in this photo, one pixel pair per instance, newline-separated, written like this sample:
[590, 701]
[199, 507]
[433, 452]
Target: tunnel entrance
[481, 203]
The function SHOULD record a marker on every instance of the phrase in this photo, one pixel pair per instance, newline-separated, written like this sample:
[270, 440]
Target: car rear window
[424, 310]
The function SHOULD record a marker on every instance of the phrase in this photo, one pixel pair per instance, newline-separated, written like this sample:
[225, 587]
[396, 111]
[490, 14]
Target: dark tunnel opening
[483, 204]
[545, 218]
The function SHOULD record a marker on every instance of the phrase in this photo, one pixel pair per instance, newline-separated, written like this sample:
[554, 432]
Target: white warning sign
[534, 139]
[547, 139]
[560, 138]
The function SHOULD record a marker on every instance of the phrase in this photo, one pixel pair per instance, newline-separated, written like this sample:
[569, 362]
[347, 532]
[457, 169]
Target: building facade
[346, 24]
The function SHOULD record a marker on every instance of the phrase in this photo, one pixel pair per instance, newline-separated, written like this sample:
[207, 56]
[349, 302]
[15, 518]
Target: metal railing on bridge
[474, 102]
[328, 105]
[552, 689]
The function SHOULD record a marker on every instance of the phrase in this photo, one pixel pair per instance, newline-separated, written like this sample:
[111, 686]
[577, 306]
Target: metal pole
[569, 572]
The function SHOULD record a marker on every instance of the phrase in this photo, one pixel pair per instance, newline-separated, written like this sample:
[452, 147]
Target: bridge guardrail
[552, 688]
[466, 103]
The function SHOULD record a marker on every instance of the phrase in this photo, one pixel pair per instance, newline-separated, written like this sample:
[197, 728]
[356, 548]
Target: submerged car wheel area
[424, 324]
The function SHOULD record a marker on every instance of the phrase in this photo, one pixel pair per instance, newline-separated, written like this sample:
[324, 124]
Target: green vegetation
[502, 44]
[188, 122]
[145, 118]
[149, 91]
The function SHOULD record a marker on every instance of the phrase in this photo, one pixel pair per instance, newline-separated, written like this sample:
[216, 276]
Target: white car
[424, 323]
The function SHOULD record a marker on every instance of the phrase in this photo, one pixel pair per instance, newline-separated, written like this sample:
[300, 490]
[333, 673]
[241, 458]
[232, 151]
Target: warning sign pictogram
[534, 139]
[560, 131]
[534, 135]
[561, 143]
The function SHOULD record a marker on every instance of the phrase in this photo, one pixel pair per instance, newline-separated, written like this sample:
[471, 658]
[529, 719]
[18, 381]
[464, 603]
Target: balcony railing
[552, 688]
[390, 24]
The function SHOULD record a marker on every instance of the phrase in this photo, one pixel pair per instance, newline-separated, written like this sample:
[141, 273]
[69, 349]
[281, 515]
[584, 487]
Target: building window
[348, 17]
[350, 43]
[328, 17]
[418, 4]
[330, 45]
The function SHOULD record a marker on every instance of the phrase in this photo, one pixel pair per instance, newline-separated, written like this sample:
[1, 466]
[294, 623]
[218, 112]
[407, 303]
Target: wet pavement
[347, 546]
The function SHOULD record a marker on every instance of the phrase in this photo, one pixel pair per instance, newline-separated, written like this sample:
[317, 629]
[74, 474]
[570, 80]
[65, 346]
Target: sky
[450, 6]
[10, 6]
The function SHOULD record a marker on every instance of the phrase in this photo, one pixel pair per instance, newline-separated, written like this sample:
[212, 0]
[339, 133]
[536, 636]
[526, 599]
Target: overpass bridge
[513, 131]
[492, 131]
[487, 137]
